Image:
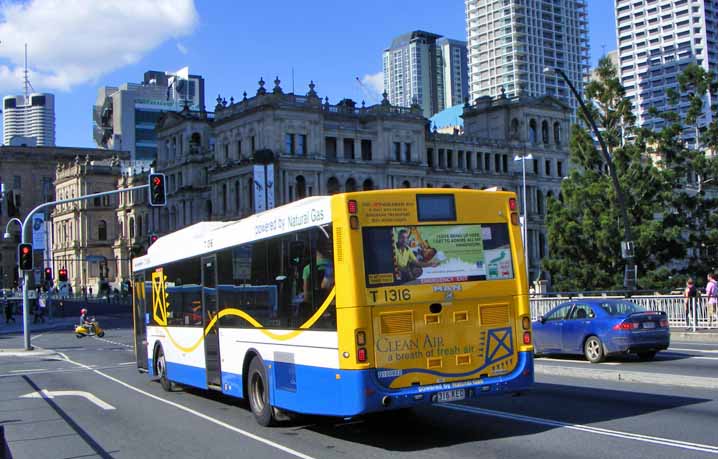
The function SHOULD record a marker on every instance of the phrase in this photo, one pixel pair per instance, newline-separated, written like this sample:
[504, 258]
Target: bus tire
[258, 393]
[161, 370]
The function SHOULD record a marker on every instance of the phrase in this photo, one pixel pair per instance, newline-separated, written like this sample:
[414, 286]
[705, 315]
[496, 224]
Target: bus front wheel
[161, 366]
[258, 393]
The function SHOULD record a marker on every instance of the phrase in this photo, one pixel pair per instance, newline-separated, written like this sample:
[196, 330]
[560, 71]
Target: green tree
[585, 226]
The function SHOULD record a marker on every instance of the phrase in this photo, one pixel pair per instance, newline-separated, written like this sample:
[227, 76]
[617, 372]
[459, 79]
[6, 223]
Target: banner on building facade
[263, 187]
[38, 232]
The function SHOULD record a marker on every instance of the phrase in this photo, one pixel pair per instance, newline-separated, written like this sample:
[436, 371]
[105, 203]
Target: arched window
[102, 231]
[544, 131]
[405, 184]
[350, 185]
[209, 209]
[532, 131]
[539, 202]
[368, 184]
[333, 186]
[132, 227]
[514, 127]
[139, 225]
[224, 198]
[557, 133]
[301, 187]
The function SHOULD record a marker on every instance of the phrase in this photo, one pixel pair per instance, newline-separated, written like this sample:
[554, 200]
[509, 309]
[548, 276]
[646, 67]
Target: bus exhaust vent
[338, 244]
[397, 323]
[494, 315]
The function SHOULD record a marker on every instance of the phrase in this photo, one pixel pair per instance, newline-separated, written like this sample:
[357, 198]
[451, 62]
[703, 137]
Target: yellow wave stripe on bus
[239, 313]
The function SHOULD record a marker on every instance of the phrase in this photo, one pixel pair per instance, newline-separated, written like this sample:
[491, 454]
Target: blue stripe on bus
[187, 374]
[332, 392]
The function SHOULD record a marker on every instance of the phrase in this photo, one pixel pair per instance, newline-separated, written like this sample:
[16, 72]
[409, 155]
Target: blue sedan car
[597, 328]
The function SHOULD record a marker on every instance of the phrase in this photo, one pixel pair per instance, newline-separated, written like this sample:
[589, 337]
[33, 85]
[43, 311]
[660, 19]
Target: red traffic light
[157, 190]
[156, 180]
[25, 249]
[25, 256]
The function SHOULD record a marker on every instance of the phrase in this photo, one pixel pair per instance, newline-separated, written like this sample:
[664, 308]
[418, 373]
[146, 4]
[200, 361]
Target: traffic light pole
[26, 239]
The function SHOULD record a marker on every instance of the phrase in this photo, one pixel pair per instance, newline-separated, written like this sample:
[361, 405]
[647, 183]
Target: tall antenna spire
[26, 109]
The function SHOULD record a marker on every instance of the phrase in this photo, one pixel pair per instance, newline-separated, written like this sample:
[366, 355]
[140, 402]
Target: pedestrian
[712, 294]
[7, 307]
[89, 289]
[42, 306]
[690, 295]
[84, 293]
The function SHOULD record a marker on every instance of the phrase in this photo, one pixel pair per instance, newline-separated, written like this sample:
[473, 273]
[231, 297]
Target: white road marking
[548, 359]
[706, 351]
[15, 373]
[129, 347]
[193, 412]
[78, 393]
[33, 353]
[29, 370]
[584, 428]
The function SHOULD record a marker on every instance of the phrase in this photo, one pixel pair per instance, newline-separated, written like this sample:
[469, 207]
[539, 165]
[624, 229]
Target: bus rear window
[430, 254]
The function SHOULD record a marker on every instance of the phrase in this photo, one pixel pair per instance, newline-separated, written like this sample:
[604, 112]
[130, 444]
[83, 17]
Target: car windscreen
[429, 254]
[621, 308]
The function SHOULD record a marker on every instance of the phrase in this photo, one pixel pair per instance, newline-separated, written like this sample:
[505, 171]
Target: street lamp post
[25, 314]
[627, 245]
[525, 221]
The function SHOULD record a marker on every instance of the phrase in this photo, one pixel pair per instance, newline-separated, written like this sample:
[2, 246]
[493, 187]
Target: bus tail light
[360, 340]
[514, 218]
[352, 206]
[527, 337]
[525, 323]
[354, 222]
[512, 204]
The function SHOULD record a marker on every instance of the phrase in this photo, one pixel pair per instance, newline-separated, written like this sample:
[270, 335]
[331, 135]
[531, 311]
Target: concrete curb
[628, 376]
[695, 337]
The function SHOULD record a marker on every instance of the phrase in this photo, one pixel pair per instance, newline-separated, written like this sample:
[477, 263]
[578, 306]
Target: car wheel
[161, 366]
[101, 334]
[646, 356]
[258, 393]
[593, 350]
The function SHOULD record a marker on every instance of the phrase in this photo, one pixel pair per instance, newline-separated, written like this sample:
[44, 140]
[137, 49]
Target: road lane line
[549, 359]
[191, 411]
[130, 347]
[16, 373]
[28, 370]
[584, 428]
[705, 351]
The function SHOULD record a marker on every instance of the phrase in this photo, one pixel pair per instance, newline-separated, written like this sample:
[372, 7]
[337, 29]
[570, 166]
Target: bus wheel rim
[258, 391]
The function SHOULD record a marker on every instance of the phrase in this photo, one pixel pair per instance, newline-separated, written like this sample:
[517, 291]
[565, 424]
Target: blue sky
[230, 43]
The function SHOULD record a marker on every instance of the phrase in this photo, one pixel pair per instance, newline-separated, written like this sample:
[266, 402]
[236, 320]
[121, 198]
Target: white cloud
[182, 48]
[374, 83]
[71, 42]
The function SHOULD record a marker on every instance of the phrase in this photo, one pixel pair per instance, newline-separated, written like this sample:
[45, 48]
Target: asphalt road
[132, 417]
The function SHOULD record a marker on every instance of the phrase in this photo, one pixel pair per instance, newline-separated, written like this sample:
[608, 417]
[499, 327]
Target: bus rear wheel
[258, 393]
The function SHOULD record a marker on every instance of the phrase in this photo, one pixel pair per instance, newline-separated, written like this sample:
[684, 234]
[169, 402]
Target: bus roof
[208, 237]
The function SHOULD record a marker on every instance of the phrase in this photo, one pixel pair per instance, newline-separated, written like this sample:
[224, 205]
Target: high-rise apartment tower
[511, 42]
[657, 39]
[424, 68]
[33, 118]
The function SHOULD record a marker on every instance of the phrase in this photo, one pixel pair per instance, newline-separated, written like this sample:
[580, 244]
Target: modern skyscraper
[424, 68]
[656, 41]
[454, 68]
[125, 117]
[511, 42]
[31, 119]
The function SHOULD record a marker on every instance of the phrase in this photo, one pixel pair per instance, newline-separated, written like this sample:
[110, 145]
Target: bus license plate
[451, 395]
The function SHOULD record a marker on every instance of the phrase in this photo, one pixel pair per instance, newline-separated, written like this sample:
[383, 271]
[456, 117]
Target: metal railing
[673, 305]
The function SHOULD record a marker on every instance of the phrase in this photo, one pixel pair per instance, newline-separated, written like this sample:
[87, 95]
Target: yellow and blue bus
[342, 305]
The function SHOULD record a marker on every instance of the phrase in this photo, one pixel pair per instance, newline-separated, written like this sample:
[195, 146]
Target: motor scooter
[91, 329]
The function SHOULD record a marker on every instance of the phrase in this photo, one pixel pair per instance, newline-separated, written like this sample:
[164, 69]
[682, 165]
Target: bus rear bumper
[377, 398]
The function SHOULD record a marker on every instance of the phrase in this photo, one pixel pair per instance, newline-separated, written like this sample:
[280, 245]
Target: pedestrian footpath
[49, 324]
[705, 335]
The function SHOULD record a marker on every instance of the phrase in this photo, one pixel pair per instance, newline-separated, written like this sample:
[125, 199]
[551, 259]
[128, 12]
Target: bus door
[139, 315]
[209, 311]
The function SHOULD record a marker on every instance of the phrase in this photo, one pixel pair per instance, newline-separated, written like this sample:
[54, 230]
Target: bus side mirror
[542, 319]
[296, 252]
